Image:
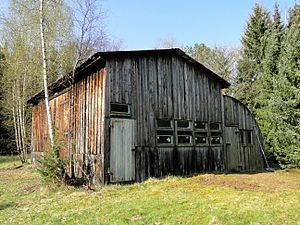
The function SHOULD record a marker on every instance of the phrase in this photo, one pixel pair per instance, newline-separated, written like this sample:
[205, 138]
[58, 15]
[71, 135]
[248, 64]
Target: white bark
[15, 119]
[43, 47]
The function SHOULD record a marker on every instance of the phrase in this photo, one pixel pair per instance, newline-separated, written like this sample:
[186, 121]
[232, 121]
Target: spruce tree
[265, 112]
[249, 67]
[286, 99]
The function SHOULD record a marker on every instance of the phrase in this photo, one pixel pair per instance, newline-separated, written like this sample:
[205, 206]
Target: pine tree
[249, 68]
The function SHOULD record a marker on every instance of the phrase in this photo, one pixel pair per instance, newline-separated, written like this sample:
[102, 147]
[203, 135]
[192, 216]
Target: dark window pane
[184, 139]
[119, 108]
[165, 132]
[216, 140]
[183, 124]
[184, 133]
[200, 125]
[164, 123]
[200, 139]
[249, 136]
[242, 139]
[214, 134]
[164, 139]
[214, 126]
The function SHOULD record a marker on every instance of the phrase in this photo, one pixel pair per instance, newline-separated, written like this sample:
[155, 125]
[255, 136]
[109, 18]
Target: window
[184, 137]
[242, 139]
[249, 137]
[164, 124]
[117, 108]
[184, 132]
[216, 138]
[184, 124]
[246, 137]
[200, 138]
[165, 133]
[164, 139]
[200, 125]
[188, 133]
[215, 126]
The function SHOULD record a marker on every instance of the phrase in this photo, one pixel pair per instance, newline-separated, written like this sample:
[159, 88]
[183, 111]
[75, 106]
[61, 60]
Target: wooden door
[233, 158]
[122, 142]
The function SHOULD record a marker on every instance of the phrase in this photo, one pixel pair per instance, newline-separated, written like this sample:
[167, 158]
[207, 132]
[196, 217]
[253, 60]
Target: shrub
[51, 166]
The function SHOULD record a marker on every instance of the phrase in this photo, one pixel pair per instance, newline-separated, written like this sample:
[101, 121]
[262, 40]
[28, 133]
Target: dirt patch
[265, 182]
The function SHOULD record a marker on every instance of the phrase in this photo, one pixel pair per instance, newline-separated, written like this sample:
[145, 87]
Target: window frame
[243, 137]
[200, 129]
[219, 126]
[205, 135]
[190, 127]
[119, 113]
[191, 133]
[184, 131]
[165, 129]
[165, 143]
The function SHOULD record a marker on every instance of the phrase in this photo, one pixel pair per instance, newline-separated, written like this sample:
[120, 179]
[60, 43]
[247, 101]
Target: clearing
[265, 198]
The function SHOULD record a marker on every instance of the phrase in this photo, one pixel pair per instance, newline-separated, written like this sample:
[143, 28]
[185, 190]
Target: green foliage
[7, 145]
[288, 93]
[221, 60]
[269, 83]
[249, 67]
[51, 166]
[21, 77]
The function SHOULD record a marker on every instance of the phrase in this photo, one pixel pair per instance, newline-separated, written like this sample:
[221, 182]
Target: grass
[266, 198]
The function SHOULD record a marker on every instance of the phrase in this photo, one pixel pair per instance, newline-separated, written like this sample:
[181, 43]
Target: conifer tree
[249, 68]
[286, 99]
[265, 111]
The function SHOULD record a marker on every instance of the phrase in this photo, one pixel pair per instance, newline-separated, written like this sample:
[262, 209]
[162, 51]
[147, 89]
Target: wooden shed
[148, 113]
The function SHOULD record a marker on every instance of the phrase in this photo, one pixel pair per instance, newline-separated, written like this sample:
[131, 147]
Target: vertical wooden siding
[89, 124]
[169, 87]
[162, 87]
[237, 115]
[87, 149]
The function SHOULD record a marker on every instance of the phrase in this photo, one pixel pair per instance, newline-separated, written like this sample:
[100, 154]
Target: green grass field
[266, 198]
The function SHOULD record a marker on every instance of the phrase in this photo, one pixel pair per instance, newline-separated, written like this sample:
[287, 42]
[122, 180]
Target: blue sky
[141, 24]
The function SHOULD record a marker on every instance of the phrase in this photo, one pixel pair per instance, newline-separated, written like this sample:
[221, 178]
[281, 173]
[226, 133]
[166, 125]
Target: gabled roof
[63, 82]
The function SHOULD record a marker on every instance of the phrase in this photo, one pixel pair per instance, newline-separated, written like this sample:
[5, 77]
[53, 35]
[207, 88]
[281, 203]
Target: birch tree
[22, 75]
[89, 37]
[45, 76]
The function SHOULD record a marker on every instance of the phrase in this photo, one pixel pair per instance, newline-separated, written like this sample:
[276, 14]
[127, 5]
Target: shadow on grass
[6, 205]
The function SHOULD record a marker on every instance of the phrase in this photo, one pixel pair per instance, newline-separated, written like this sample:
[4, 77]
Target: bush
[51, 166]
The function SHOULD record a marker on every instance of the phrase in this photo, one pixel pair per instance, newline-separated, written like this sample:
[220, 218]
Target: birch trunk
[48, 110]
[20, 121]
[15, 119]
[24, 121]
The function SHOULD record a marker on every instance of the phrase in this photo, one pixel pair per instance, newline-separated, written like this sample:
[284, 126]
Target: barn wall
[60, 111]
[244, 156]
[166, 87]
[162, 87]
[87, 150]
[89, 124]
